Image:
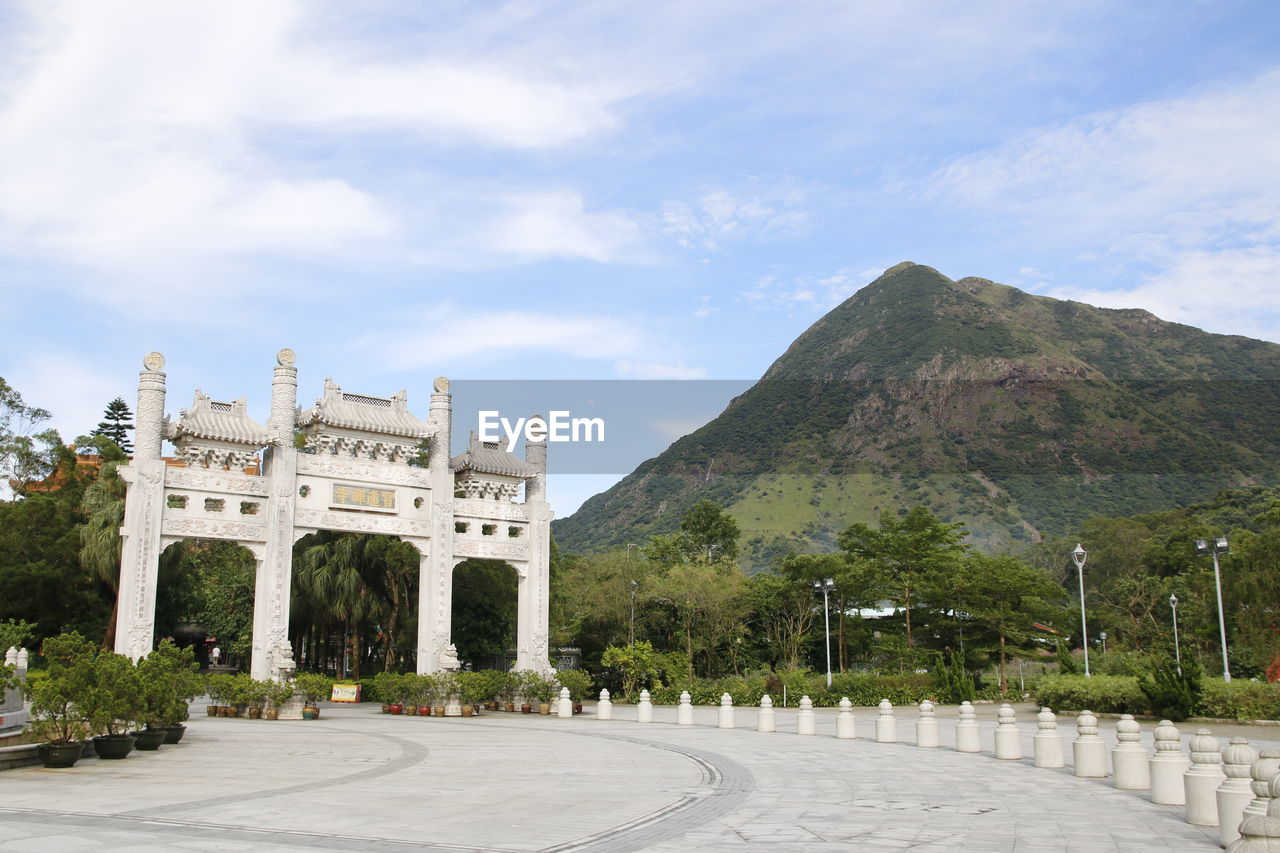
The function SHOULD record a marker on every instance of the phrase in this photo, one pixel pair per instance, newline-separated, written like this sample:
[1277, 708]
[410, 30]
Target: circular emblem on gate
[441, 385]
[153, 361]
[285, 357]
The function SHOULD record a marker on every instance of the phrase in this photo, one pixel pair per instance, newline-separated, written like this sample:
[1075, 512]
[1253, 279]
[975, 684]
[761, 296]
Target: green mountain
[1016, 414]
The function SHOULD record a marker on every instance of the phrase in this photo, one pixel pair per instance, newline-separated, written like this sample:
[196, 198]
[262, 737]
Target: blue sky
[657, 190]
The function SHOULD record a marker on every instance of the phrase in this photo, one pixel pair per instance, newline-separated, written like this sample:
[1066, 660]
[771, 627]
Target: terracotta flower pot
[438, 710]
[396, 708]
[424, 710]
[544, 708]
[526, 709]
[271, 714]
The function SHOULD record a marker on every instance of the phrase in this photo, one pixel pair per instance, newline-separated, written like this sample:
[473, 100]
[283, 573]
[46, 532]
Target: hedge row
[1120, 694]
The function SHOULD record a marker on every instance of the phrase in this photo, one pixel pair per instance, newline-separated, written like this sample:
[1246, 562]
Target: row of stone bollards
[1234, 788]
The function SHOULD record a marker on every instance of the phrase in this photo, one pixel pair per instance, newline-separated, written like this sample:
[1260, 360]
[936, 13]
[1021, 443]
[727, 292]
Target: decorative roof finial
[153, 361]
[286, 357]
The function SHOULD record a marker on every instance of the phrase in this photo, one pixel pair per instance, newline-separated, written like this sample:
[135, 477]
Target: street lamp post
[826, 585]
[631, 631]
[1078, 556]
[1103, 637]
[1177, 650]
[1219, 546]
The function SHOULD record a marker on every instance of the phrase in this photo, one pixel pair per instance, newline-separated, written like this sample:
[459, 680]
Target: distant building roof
[384, 415]
[213, 420]
[492, 457]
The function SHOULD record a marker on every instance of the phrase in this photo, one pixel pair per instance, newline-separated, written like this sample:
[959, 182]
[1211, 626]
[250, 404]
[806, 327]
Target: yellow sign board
[345, 693]
[364, 497]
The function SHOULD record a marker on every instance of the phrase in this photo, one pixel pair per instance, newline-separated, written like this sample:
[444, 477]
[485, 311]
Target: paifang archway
[357, 472]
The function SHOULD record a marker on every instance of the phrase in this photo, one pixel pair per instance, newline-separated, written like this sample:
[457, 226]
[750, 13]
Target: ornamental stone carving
[494, 510]
[215, 481]
[489, 550]
[363, 470]
[356, 522]
[199, 528]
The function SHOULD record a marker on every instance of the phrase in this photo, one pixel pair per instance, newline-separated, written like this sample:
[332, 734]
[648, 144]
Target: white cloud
[720, 216]
[1234, 291]
[1186, 191]
[134, 136]
[808, 294]
[557, 224]
[629, 369]
[491, 331]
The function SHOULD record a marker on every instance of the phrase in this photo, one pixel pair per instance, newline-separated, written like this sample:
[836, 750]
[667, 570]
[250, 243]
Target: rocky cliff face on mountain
[1016, 414]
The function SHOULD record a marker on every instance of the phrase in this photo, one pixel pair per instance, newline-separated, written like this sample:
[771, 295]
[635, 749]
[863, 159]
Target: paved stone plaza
[359, 780]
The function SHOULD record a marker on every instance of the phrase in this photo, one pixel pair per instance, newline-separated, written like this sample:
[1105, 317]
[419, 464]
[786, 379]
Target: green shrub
[1173, 692]
[578, 681]
[1105, 693]
[1240, 700]
[953, 682]
[314, 686]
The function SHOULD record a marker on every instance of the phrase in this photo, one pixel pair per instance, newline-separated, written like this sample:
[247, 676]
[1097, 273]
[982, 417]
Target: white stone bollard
[1089, 750]
[684, 711]
[1008, 738]
[726, 712]
[886, 724]
[11, 657]
[564, 708]
[1047, 741]
[805, 722]
[1129, 762]
[644, 710]
[845, 724]
[604, 707]
[1202, 780]
[766, 722]
[927, 726]
[967, 730]
[1168, 763]
[1235, 792]
[1266, 766]
[1261, 833]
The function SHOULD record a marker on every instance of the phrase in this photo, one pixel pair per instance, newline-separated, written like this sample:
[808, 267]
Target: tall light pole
[1219, 546]
[1103, 637]
[1177, 650]
[631, 631]
[1078, 556]
[826, 585]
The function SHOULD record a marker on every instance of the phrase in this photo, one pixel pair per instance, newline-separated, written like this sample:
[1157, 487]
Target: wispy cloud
[1183, 194]
[807, 294]
[721, 216]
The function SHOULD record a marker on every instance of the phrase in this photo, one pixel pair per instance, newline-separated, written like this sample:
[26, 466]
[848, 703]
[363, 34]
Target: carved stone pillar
[144, 508]
[275, 564]
[533, 621]
[435, 579]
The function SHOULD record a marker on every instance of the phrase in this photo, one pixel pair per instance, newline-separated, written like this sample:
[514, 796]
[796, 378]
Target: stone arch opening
[204, 598]
[486, 607]
[353, 607]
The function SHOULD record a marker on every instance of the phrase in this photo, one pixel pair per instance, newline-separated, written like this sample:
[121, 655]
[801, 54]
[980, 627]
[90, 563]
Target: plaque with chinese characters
[362, 497]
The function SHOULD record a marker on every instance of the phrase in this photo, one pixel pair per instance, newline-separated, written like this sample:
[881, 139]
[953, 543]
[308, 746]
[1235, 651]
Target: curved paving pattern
[358, 780]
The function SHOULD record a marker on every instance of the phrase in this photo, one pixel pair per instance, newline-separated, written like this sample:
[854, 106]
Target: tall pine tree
[116, 422]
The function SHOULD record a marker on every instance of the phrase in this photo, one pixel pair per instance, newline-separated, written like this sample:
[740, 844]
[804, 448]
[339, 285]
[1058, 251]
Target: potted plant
[524, 685]
[425, 688]
[169, 678]
[255, 696]
[112, 704]
[472, 687]
[220, 688]
[579, 683]
[276, 694]
[544, 690]
[56, 719]
[446, 689]
[314, 688]
[384, 688]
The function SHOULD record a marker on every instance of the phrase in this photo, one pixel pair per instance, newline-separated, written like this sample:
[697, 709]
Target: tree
[28, 454]
[103, 506]
[116, 422]
[710, 532]
[913, 551]
[1007, 596]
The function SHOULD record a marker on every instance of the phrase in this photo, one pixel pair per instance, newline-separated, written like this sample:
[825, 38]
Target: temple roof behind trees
[492, 457]
[213, 420]
[383, 415]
